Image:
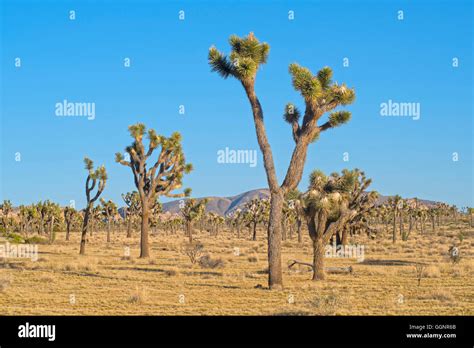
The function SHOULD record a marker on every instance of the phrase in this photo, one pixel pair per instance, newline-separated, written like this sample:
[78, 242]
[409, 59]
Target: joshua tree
[254, 212]
[164, 176]
[52, 214]
[295, 201]
[155, 209]
[6, 208]
[30, 215]
[70, 214]
[95, 178]
[360, 201]
[109, 210]
[289, 218]
[320, 96]
[192, 211]
[395, 203]
[42, 208]
[470, 211]
[329, 204]
[132, 200]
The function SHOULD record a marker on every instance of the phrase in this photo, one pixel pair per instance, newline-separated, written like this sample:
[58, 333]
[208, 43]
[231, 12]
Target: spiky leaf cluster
[247, 54]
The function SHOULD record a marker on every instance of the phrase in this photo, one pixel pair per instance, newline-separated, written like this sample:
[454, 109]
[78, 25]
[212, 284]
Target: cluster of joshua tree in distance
[333, 207]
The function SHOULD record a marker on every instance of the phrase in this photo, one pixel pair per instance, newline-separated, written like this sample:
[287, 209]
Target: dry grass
[104, 282]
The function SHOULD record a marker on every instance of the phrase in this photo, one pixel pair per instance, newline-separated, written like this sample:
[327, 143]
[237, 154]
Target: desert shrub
[15, 238]
[193, 250]
[327, 304]
[207, 261]
[170, 272]
[36, 240]
[253, 259]
[4, 284]
[69, 268]
[441, 295]
[432, 272]
[138, 296]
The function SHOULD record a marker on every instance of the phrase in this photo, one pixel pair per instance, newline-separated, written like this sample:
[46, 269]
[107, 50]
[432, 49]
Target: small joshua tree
[6, 208]
[320, 96]
[109, 210]
[255, 214]
[329, 204]
[132, 200]
[52, 214]
[96, 179]
[69, 215]
[192, 211]
[294, 198]
[396, 204]
[160, 179]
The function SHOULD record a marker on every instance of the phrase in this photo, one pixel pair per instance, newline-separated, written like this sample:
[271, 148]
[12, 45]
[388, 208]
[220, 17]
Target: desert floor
[105, 282]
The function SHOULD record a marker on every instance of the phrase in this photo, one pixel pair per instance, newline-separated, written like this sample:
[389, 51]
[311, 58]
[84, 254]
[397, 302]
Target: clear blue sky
[82, 60]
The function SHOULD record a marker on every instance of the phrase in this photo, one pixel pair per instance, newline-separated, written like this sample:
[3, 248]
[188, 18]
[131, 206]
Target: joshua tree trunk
[68, 230]
[283, 231]
[394, 232]
[189, 231]
[108, 231]
[254, 235]
[344, 237]
[318, 260]
[84, 230]
[144, 247]
[129, 228]
[51, 227]
[300, 237]
[275, 279]
[401, 223]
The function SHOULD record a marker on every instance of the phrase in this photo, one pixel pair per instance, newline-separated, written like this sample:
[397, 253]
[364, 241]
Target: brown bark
[318, 260]
[394, 232]
[300, 237]
[275, 278]
[68, 229]
[129, 228]
[189, 231]
[84, 230]
[108, 231]
[144, 246]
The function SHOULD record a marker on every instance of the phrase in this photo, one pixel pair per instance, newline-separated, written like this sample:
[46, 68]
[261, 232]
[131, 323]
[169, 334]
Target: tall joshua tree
[164, 176]
[192, 211]
[96, 179]
[320, 96]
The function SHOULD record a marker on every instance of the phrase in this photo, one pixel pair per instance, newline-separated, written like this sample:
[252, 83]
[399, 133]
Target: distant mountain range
[225, 205]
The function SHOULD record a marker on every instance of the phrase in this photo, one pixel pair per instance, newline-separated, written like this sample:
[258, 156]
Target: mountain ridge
[225, 205]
